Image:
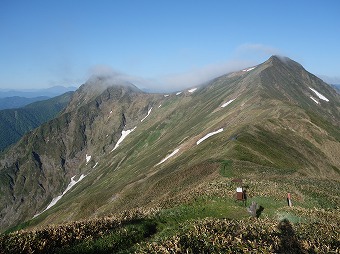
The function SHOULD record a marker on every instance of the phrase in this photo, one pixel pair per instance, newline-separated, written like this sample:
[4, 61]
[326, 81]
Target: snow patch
[110, 112]
[88, 158]
[319, 94]
[166, 95]
[56, 199]
[160, 105]
[95, 165]
[147, 114]
[192, 90]
[124, 135]
[227, 103]
[209, 135]
[314, 100]
[178, 93]
[249, 69]
[167, 157]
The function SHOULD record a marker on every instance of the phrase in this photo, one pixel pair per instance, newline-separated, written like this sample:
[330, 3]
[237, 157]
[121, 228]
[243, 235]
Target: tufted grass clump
[249, 236]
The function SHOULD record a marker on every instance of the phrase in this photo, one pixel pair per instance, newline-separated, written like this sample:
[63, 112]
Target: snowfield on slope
[146, 115]
[192, 90]
[122, 137]
[88, 158]
[227, 103]
[209, 135]
[319, 94]
[249, 69]
[167, 157]
[56, 199]
[314, 100]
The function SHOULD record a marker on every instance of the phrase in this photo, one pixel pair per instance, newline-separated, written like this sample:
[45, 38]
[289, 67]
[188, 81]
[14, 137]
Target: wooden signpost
[241, 194]
[289, 200]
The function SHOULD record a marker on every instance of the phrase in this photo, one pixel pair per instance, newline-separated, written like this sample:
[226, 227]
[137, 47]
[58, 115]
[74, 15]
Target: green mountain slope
[14, 123]
[275, 126]
[18, 102]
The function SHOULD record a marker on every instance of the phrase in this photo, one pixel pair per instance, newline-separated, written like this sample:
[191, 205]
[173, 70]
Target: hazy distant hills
[31, 93]
[17, 101]
[115, 148]
[19, 98]
[14, 123]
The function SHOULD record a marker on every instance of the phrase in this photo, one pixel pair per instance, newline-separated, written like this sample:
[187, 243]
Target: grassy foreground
[207, 219]
[187, 229]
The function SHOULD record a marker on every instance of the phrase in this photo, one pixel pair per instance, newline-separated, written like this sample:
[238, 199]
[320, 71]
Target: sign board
[239, 193]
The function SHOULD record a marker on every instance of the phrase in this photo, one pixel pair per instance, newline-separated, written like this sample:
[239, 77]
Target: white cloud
[103, 70]
[174, 81]
[197, 76]
[245, 55]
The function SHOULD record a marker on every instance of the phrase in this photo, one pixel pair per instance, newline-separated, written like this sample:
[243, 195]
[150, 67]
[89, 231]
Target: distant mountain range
[14, 123]
[18, 102]
[18, 98]
[337, 87]
[31, 93]
[273, 128]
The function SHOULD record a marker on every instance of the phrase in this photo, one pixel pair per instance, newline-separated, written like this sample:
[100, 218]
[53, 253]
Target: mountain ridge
[266, 113]
[30, 93]
[17, 101]
[14, 123]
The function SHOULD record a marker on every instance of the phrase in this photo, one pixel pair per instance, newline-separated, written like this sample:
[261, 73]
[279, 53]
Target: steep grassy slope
[40, 165]
[14, 123]
[273, 135]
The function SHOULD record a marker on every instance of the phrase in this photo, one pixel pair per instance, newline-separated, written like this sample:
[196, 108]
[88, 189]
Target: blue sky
[161, 44]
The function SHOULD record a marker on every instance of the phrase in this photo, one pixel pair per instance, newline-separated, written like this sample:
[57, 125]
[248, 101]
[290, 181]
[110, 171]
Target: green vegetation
[270, 145]
[226, 168]
[14, 123]
[207, 220]
[326, 125]
[118, 240]
[203, 226]
[17, 101]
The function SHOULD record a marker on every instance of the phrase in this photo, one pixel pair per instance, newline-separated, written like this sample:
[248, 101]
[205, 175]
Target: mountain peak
[278, 60]
[101, 82]
[96, 85]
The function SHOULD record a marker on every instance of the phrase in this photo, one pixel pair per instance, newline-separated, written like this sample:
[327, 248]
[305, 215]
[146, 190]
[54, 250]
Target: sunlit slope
[161, 160]
[276, 117]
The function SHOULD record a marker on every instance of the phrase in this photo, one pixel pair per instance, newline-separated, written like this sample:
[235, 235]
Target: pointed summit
[285, 80]
[277, 60]
[96, 85]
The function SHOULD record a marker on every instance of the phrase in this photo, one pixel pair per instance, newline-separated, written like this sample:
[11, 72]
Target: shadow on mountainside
[289, 242]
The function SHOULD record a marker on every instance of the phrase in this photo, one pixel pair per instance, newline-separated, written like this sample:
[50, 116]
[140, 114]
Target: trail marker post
[289, 200]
